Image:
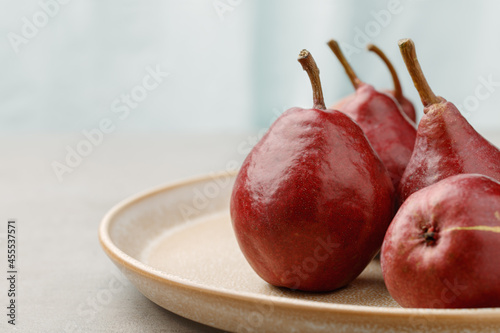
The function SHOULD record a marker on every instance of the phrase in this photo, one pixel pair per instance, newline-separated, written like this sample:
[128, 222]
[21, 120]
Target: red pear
[312, 200]
[339, 105]
[389, 130]
[441, 249]
[397, 93]
[446, 143]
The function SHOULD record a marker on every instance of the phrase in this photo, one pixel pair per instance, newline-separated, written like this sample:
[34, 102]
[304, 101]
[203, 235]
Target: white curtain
[229, 65]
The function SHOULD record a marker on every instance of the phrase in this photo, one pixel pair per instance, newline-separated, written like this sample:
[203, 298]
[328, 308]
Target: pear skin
[406, 105]
[441, 249]
[397, 93]
[446, 143]
[390, 131]
[312, 200]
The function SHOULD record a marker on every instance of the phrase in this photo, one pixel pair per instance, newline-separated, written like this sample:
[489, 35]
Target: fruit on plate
[389, 130]
[397, 93]
[446, 143]
[312, 200]
[441, 249]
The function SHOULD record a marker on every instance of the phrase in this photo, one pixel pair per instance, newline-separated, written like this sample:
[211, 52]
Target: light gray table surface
[64, 277]
[65, 281]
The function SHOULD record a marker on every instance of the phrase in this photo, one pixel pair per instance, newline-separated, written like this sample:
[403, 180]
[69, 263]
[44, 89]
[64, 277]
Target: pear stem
[334, 46]
[407, 48]
[398, 91]
[309, 65]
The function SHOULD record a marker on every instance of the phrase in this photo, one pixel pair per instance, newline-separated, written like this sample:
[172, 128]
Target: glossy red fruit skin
[312, 201]
[389, 131]
[447, 145]
[461, 269]
[406, 105]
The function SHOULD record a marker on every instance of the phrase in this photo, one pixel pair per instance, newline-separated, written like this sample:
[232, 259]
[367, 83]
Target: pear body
[386, 127]
[311, 202]
[447, 145]
[441, 249]
[406, 105]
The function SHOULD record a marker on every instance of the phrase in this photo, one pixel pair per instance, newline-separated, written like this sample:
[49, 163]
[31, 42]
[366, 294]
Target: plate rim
[119, 256]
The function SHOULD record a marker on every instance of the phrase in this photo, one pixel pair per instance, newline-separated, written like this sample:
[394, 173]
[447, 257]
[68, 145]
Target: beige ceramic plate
[176, 245]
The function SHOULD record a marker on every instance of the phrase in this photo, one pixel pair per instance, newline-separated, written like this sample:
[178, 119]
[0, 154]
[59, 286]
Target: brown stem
[398, 92]
[430, 238]
[334, 46]
[309, 65]
[430, 235]
[407, 48]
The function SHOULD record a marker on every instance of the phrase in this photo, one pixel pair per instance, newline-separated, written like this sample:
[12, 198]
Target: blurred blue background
[229, 65]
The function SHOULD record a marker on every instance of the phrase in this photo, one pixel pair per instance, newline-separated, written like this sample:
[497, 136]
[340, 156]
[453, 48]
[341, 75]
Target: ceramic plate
[177, 246]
